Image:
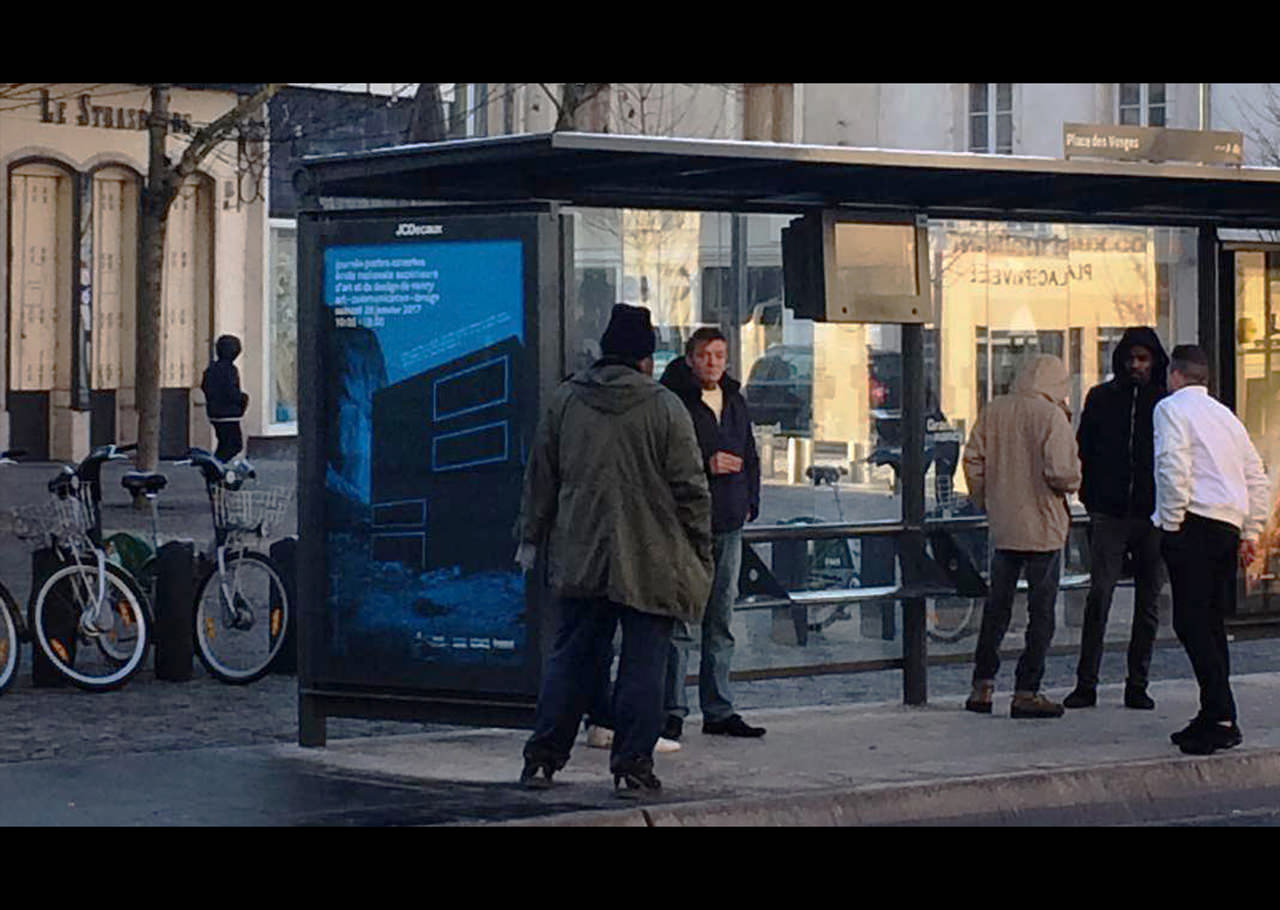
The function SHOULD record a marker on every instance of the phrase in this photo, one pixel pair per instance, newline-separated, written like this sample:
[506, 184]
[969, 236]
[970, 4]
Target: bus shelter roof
[587, 169]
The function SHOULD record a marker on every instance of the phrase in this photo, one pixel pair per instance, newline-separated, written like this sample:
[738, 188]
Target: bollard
[284, 553]
[44, 562]
[878, 567]
[174, 611]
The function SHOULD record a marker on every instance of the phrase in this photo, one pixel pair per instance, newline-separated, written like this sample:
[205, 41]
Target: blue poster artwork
[425, 347]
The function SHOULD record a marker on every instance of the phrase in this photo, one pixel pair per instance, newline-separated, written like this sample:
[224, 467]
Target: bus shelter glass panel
[1006, 291]
[818, 393]
[826, 399]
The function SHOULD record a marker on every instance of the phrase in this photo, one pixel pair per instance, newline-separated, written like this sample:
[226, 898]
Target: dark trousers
[230, 442]
[600, 707]
[1109, 539]
[1042, 582]
[1201, 557]
[571, 677]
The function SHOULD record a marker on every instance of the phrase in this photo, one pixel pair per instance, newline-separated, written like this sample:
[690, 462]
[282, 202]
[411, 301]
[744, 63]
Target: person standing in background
[1118, 490]
[225, 402]
[1020, 465]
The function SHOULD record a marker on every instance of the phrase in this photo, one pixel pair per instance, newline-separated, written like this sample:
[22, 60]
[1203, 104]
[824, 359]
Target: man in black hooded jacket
[723, 427]
[1117, 451]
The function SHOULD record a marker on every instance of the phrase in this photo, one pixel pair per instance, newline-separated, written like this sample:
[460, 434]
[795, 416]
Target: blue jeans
[571, 674]
[717, 641]
[1042, 592]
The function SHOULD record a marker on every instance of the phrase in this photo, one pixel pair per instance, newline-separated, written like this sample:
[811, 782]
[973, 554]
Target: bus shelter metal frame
[592, 170]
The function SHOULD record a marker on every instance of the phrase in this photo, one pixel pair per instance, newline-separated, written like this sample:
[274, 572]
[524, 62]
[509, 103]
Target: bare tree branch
[207, 138]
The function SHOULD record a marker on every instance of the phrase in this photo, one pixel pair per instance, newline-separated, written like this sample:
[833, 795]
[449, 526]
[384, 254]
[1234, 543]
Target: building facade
[75, 159]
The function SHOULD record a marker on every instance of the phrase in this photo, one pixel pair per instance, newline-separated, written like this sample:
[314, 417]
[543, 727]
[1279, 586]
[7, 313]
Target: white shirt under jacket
[1205, 463]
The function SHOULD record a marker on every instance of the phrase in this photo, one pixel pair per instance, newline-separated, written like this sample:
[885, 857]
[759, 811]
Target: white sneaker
[599, 737]
[666, 745]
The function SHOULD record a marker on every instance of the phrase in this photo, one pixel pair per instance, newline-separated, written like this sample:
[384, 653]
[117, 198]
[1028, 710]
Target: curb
[1128, 792]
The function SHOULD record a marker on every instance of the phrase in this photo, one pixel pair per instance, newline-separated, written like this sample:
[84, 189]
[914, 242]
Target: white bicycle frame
[90, 614]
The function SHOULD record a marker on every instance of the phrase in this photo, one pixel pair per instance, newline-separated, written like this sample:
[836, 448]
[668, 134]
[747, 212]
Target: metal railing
[798, 602]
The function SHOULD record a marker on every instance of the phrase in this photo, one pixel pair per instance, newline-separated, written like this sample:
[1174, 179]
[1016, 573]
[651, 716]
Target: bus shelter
[445, 288]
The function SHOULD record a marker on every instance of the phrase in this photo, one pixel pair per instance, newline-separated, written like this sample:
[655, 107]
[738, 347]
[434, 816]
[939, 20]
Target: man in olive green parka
[616, 493]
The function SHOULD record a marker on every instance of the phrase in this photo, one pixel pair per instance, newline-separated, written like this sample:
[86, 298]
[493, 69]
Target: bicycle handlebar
[215, 471]
[104, 454]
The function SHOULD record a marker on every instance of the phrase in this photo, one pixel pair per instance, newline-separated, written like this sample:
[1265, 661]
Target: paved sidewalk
[874, 763]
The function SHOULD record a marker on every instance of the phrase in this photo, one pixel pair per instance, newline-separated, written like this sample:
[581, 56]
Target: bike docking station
[436, 286]
[98, 602]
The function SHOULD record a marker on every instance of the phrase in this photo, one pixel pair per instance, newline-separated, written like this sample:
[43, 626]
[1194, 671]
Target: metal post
[1210, 317]
[734, 307]
[914, 643]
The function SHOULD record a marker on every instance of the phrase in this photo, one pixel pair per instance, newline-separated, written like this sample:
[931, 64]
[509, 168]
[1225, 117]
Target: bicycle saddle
[145, 482]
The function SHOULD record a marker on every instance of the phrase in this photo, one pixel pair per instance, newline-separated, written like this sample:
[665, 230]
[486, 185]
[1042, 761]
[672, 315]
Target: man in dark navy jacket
[1116, 455]
[723, 427]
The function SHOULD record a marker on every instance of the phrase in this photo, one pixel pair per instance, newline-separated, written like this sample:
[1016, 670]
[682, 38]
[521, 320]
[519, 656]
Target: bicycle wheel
[10, 644]
[953, 619]
[240, 618]
[98, 646]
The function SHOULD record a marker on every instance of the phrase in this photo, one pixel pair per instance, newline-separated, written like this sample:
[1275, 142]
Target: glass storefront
[825, 395]
[282, 326]
[1257, 394]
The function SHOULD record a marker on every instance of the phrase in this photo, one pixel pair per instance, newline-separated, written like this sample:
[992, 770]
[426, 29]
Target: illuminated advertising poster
[426, 371]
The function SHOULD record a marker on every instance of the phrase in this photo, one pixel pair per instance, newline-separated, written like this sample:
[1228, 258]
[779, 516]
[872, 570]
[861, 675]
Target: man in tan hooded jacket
[1020, 463]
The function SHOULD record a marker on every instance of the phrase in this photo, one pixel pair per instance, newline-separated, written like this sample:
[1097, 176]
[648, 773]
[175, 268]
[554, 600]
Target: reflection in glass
[283, 326]
[1257, 393]
[826, 399]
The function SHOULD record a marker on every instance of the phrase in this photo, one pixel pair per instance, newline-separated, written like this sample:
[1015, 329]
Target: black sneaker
[673, 728]
[1081, 697]
[529, 778]
[636, 783]
[733, 725]
[1204, 738]
[1190, 731]
[1137, 697]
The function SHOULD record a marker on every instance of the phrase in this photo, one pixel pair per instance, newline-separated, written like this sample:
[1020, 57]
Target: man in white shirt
[1211, 503]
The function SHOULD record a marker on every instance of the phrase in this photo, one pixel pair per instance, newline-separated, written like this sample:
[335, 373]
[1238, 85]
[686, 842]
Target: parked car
[779, 388]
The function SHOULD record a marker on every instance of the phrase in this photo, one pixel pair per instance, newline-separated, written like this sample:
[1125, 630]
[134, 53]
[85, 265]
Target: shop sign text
[84, 112]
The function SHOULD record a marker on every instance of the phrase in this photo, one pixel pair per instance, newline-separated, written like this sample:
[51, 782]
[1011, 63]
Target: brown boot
[979, 700]
[1033, 704]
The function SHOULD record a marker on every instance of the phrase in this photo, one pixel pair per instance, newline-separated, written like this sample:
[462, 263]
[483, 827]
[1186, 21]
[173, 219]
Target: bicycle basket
[65, 518]
[249, 511]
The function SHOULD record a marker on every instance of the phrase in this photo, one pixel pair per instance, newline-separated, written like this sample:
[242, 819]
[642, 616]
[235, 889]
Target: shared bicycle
[241, 609]
[89, 616]
[13, 628]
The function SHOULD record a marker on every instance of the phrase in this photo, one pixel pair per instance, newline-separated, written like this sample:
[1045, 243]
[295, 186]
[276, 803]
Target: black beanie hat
[629, 335]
